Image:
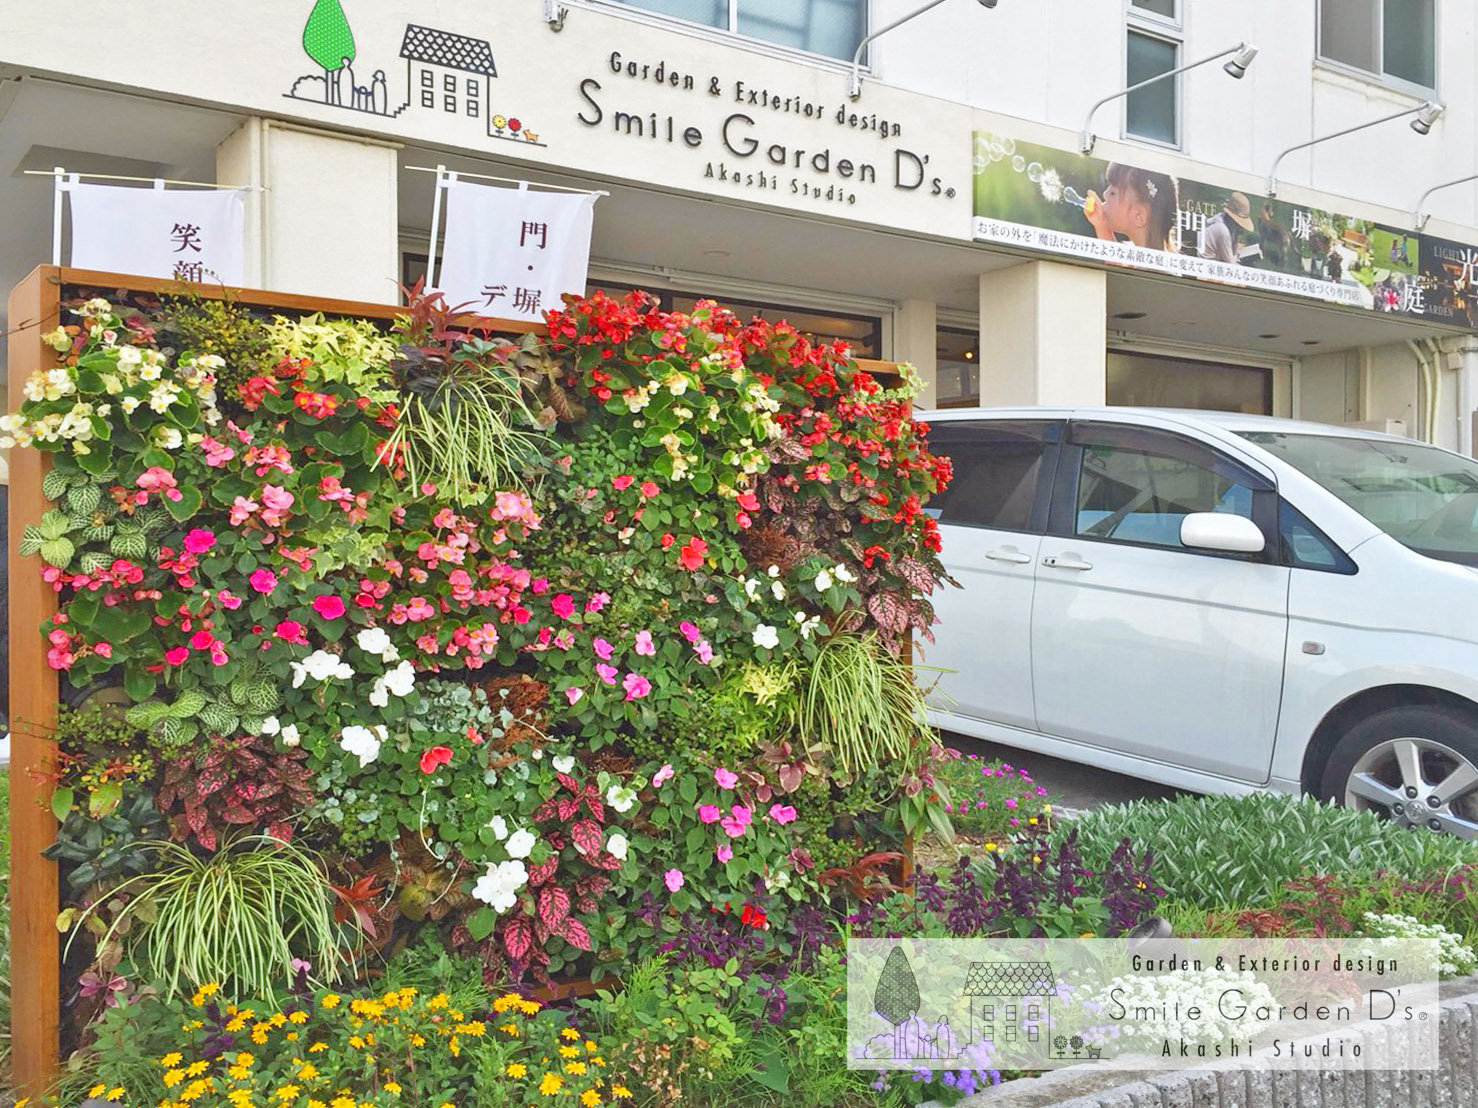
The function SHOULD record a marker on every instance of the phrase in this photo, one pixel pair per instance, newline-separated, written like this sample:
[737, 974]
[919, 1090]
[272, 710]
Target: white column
[1043, 332]
[914, 341]
[325, 221]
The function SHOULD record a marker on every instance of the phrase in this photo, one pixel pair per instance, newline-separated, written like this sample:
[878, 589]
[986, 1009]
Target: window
[1155, 381]
[956, 368]
[1141, 491]
[451, 83]
[1394, 40]
[428, 98]
[472, 108]
[451, 104]
[1151, 112]
[830, 27]
[1165, 9]
[472, 89]
[997, 471]
[1304, 546]
[428, 79]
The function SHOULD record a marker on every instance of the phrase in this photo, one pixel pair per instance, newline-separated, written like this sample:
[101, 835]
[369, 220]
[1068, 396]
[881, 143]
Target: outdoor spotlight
[1237, 66]
[1426, 116]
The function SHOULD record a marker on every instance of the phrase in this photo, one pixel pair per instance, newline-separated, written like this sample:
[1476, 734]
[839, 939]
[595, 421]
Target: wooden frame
[35, 946]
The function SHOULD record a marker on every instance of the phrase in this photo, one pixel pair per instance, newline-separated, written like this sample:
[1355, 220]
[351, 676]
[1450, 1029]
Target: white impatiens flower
[620, 798]
[807, 627]
[564, 763]
[401, 680]
[766, 636]
[777, 589]
[290, 735]
[520, 844]
[773, 571]
[499, 826]
[363, 742]
[374, 640]
[751, 588]
[843, 574]
[616, 845]
[320, 665]
[498, 888]
[271, 725]
[823, 581]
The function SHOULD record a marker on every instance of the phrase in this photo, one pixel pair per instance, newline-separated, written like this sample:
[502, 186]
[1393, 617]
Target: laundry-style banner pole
[512, 251]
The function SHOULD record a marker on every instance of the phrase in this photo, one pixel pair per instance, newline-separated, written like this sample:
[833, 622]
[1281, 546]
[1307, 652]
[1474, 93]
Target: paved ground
[1075, 785]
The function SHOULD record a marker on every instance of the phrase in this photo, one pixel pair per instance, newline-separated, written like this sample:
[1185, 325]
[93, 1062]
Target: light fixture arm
[554, 14]
[1421, 219]
[854, 84]
[1086, 138]
[1273, 173]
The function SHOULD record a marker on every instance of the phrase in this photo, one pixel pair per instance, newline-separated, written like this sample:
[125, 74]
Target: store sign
[1450, 281]
[1121, 214]
[181, 234]
[512, 252]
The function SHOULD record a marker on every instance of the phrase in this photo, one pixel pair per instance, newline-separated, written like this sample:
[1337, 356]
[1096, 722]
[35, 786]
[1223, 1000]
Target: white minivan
[1216, 602]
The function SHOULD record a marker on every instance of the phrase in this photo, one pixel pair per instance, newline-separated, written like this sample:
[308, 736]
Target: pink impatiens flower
[782, 813]
[602, 649]
[673, 878]
[735, 824]
[263, 580]
[726, 778]
[723, 852]
[290, 630]
[563, 605]
[690, 631]
[329, 606]
[198, 540]
[649, 489]
[709, 813]
[597, 602]
[663, 774]
[606, 673]
[636, 686]
[644, 644]
[573, 695]
[622, 483]
[179, 654]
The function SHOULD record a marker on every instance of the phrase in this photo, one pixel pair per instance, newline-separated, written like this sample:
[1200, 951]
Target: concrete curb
[1258, 1085]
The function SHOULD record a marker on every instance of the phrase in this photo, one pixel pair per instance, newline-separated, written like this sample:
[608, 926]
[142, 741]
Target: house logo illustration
[1011, 1002]
[445, 72]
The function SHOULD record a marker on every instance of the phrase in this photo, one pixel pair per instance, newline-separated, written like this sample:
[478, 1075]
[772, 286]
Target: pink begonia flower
[217, 454]
[723, 852]
[276, 499]
[603, 649]
[606, 673]
[636, 686]
[726, 778]
[563, 605]
[622, 483]
[263, 580]
[198, 540]
[644, 644]
[290, 630]
[102, 649]
[709, 813]
[329, 606]
[673, 879]
[156, 479]
[649, 489]
[597, 602]
[782, 813]
[663, 774]
[241, 510]
[690, 631]
[735, 824]
[573, 695]
[179, 654]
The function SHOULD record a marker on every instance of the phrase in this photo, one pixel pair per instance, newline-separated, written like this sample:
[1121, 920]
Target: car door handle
[1071, 561]
[1008, 554]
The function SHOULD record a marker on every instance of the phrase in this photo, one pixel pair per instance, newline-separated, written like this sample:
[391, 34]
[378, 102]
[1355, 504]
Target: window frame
[1151, 26]
[1054, 432]
[1062, 517]
[732, 35]
[1382, 79]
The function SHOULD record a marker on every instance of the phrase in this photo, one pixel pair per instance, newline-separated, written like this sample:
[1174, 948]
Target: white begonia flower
[498, 888]
[564, 763]
[500, 827]
[320, 665]
[168, 438]
[766, 636]
[129, 404]
[777, 589]
[823, 581]
[130, 357]
[843, 574]
[363, 742]
[374, 640]
[150, 371]
[271, 725]
[520, 844]
[620, 798]
[617, 845]
[290, 735]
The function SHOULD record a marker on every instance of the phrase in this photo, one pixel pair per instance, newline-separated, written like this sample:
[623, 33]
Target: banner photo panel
[1117, 213]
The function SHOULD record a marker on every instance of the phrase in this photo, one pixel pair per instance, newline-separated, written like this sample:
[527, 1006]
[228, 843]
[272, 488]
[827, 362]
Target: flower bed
[538, 656]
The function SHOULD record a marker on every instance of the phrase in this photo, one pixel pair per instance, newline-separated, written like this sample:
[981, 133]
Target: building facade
[944, 215]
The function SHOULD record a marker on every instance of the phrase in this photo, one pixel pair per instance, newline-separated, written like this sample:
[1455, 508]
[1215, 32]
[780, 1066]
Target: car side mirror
[1223, 531]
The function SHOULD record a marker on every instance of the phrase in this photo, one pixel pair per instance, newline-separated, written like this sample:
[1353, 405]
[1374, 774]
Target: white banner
[510, 252]
[186, 234]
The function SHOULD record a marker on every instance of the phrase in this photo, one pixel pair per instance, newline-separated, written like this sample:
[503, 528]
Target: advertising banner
[184, 234]
[1121, 214]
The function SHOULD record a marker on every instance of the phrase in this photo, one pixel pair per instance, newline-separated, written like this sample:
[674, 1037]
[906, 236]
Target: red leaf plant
[237, 784]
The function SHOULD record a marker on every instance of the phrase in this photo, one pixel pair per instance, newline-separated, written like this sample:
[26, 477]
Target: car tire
[1398, 762]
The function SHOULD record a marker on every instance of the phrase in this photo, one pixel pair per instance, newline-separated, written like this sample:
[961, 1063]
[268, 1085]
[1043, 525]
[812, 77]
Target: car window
[997, 471]
[1141, 494]
[1307, 547]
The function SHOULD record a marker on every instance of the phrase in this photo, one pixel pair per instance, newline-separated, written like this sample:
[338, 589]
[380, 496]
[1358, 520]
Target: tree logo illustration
[327, 38]
[896, 997]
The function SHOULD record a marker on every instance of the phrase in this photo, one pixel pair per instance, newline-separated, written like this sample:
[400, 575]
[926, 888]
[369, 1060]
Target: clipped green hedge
[1224, 851]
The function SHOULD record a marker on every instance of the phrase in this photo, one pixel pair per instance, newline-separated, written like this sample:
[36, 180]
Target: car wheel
[1417, 766]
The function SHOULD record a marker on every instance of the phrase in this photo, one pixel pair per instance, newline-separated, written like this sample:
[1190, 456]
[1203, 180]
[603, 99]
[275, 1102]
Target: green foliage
[354, 352]
[209, 326]
[238, 917]
[1234, 851]
[104, 849]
